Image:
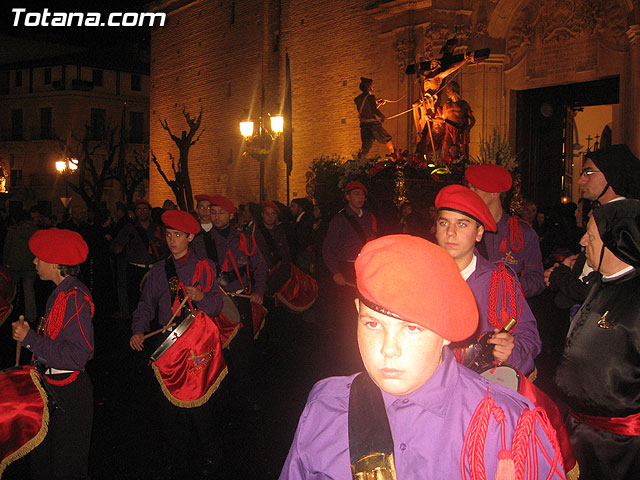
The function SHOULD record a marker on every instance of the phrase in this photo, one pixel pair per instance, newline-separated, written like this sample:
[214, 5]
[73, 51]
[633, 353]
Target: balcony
[42, 134]
[81, 85]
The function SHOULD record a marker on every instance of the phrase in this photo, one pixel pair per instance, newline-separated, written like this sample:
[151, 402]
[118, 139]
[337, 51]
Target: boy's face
[399, 356]
[356, 198]
[457, 233]
[178, 242]
[203, 210]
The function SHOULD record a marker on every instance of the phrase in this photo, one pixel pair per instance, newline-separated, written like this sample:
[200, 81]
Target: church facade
[227, 58]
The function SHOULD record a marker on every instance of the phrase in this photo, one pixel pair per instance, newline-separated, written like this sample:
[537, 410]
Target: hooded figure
[600, 367]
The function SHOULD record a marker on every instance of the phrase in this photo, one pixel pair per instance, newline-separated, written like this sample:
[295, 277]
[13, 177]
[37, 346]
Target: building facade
[47, 101]
[548, 57]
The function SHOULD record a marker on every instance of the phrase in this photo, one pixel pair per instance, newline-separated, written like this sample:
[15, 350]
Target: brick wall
[199, 57]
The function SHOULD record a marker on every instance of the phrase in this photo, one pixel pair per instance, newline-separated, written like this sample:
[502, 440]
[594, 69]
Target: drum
[174, 334]
[7, 293]
[505, 375]
[189, 364]
[229, 309]
[292, 287]
[24, 413]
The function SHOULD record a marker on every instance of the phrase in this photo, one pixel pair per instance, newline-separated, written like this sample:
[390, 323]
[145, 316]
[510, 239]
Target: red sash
[193, 367]
[24, 414]
[621, 425]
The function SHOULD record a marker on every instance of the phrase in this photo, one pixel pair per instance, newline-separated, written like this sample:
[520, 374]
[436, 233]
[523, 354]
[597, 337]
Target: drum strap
[356, 226]
[271, 244]
[370, 439]
[210, 247]
[172, 276]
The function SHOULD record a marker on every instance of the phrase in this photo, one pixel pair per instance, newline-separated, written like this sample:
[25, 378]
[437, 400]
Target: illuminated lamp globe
[277, 124]
[61, 165]
[246, 128]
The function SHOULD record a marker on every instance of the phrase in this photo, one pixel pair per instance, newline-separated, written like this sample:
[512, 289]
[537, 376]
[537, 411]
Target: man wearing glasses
[608, 175]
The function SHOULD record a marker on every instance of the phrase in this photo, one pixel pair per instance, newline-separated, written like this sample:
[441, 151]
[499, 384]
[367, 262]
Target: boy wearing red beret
[62, 347]
[515, 243]
[463, 219]
[349, 230]
[242, 270]
[416, 413]
[196, 278]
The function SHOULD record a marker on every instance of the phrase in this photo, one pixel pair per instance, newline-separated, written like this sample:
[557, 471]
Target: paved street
[294, 355]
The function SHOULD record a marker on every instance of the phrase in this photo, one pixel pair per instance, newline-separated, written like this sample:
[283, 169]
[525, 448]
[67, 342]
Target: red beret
[142, 201]
[460, 199]
[417, 281]
[354, 186]
[270, 204]
[222, 202]
[489, 177]
[63, 247]
[208, 198]
[180, 220]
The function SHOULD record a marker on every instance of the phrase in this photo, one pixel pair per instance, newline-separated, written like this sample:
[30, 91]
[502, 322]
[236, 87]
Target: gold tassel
[574, 473]
[193, 403]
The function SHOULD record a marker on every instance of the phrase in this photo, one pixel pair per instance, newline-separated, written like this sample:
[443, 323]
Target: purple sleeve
[532, 273]
[527, 344]
[211, 304]
[73, 346]
[258, 267]
[146, 309]
[331, 245]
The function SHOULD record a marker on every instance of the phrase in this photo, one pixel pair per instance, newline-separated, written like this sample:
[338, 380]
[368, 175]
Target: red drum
[292, 287]
[24, 414]
[189, 364]
[7, 293]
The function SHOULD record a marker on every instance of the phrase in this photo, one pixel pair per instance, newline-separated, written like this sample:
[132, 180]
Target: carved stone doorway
[543, 129]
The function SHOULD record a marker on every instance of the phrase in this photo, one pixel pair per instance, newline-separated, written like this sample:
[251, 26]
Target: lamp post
[65, 167]
[258, 145]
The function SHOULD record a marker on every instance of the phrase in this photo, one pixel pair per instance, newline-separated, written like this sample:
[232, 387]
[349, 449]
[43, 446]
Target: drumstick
[350, 285]
[241, 295]
[19, 343]
[168, 325]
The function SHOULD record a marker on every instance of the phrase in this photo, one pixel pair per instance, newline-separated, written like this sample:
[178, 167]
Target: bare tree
[131, 174]
[181, 185]
[92, 174]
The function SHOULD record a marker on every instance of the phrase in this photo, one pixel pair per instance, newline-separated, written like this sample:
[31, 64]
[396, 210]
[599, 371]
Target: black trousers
[188, 434]
[241, 355]
[64, 453]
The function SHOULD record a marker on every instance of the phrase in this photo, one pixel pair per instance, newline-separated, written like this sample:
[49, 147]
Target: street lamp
[65, 167]
[259, 146]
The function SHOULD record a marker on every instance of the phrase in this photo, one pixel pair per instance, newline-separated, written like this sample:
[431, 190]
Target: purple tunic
[135, 250]
[73, 346]
[428, 427]
[156, 293]
[527, 263]
[240, 248]
[280, 241]
[526, 337]
[342, 243]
